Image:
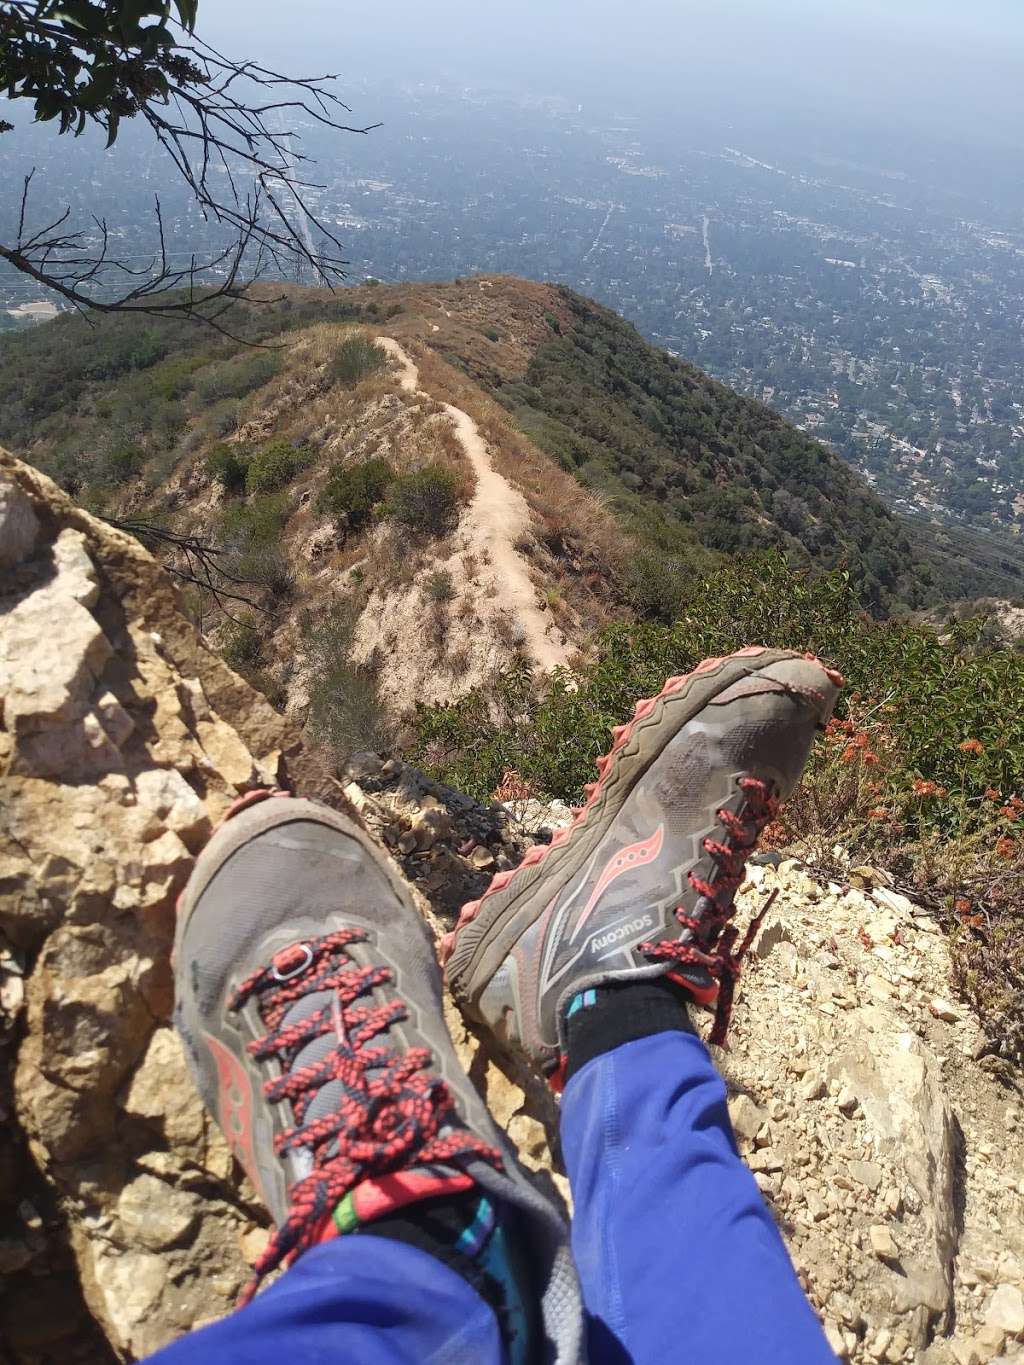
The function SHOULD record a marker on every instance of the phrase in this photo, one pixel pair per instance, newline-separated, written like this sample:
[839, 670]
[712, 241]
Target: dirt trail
[494, 520]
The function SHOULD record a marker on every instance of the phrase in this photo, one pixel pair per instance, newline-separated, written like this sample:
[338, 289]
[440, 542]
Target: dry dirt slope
[427, 616]
[890, 1157]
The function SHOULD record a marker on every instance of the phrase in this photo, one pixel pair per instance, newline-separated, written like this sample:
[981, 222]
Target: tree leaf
[187, 11]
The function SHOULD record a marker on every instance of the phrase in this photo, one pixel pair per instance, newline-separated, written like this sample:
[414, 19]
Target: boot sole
[488, 928]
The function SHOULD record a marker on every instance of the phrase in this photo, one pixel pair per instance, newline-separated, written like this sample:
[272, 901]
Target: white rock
[835, 1339]
[747, 1117]
[846, 1101]
[156, 1214]
[882, 1244]
[52, 648]
[813, 1087]
[942, 1009]
[966, 1351]
[19, 525]
[166, 793]
[1006, 1310]
[894, 901]
[866, 1173]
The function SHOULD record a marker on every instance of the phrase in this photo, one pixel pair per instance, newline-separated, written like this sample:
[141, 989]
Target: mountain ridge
[689, 470]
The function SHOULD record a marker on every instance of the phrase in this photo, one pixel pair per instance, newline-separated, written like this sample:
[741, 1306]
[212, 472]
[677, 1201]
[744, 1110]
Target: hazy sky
[938, 70]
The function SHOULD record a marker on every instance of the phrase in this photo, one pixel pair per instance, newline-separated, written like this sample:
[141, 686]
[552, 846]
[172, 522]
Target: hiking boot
[309, 1004]
[642, 883]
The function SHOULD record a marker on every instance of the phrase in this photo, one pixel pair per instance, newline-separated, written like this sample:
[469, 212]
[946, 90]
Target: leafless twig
[226, 127]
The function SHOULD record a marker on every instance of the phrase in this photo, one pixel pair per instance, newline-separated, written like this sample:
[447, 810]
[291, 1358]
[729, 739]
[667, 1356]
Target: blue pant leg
[678, 1256]
[358, 1299]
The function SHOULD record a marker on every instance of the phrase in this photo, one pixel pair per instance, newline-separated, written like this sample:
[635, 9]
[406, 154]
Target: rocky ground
[889, 1154]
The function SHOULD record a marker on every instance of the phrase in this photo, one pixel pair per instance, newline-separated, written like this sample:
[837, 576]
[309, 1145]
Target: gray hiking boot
[642, 883]
[309, 1004]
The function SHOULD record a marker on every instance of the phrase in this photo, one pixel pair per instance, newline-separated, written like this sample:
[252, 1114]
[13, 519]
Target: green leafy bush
[653, 584]
[944, 692]
[242, 646]
[428, 500]
[345, 710]
[255, 524]
[274, 466]
[251, 532]
[121, 463]
[354, 490]
[356, 358]
[228, 465]
[236, 377]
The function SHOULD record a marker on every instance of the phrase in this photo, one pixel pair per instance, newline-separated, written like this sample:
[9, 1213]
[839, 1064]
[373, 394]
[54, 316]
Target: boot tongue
[328, 1097]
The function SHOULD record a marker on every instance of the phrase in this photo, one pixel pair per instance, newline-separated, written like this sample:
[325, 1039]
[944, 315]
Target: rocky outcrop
[123, 739]
[889, 1155]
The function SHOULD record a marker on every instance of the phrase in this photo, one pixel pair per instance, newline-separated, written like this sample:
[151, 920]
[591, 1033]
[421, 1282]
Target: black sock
[622, 1012]
[435, 1226]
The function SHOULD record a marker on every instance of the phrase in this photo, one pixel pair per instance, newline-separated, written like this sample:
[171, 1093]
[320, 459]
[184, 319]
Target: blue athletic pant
[678, 1257]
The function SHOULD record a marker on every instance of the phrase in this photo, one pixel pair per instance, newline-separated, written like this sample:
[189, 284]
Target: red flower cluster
[972, 746]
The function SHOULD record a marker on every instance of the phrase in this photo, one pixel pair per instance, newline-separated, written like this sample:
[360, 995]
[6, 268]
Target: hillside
[396, 495]
[687, 468]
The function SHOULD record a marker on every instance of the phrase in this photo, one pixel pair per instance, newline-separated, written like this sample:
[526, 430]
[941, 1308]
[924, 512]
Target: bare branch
[211, 116]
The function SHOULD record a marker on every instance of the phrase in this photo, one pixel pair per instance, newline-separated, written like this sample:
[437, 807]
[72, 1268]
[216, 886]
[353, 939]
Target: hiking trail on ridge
[496, 517]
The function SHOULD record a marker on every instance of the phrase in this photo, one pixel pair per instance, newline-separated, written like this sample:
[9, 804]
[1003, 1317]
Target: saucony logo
[623, 931]
[626, 860]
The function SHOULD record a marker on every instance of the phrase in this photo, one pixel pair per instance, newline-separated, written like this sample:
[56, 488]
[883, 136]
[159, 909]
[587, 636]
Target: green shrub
[228, 465]
[272, 688]
[353, 491]
[121, 464]
[653, 583]
[269, 569]
[427, 500]
[439, 587]
[235, 378]
[243, 644]
[257, 524]
[345, 710]
[274, 466]
[221, 419]
[491, 333]
[356, 358]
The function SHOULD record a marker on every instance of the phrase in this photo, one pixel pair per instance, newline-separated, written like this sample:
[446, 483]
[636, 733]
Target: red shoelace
[715, 936]
[385, 1122]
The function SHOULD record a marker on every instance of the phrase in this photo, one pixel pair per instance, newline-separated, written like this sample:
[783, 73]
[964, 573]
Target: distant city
[872, 309]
